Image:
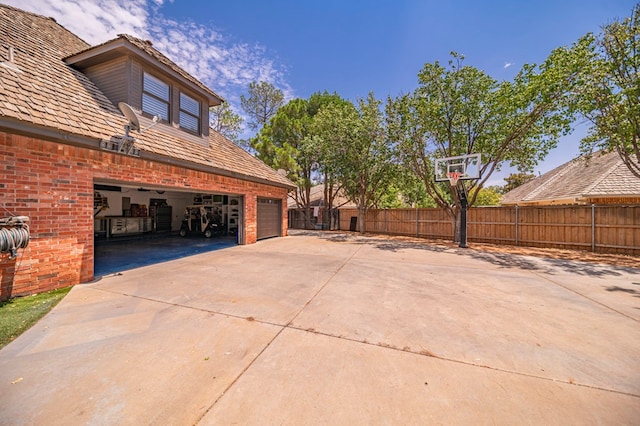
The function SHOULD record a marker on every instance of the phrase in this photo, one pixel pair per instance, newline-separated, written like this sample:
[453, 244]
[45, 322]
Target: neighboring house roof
[42, 95]
[584, 180]
[316, 197]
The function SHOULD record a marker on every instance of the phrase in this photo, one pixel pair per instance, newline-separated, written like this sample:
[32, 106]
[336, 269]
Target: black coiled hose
[14, 235]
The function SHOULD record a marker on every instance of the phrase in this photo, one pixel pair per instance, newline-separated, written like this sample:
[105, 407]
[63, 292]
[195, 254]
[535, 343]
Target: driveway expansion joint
[430, 354]
[546, 278]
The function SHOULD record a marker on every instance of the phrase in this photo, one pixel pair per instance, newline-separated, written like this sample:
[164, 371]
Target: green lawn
[17, 315]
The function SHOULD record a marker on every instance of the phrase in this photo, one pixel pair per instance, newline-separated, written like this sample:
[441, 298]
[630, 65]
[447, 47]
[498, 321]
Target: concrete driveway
[325, 328]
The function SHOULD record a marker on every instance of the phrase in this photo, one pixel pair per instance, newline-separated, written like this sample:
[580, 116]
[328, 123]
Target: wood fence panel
[617, 228]
[345, 218]
[557, 226]
[492, 225]
[434, 223]
[586, 229]
[401, 221]
[374, 221]
[527, 218]
[574, 228]
[296, 219]
[606, 229]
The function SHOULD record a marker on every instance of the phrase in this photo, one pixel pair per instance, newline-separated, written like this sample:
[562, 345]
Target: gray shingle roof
[600, 176]
[40, 90]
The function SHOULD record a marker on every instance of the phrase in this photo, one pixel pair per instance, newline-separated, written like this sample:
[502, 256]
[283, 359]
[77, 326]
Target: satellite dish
[126, 143]
[127, 111]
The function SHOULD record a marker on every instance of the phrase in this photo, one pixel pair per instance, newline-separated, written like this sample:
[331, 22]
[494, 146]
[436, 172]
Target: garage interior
[141, 225]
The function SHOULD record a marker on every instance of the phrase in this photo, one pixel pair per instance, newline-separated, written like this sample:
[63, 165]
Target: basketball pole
[462, 196]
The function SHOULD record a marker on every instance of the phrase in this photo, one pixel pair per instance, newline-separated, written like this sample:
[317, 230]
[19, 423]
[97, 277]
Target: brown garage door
[269, 218]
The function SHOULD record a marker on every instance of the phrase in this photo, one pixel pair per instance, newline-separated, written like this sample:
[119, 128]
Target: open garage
[137, 226]
[124, 152]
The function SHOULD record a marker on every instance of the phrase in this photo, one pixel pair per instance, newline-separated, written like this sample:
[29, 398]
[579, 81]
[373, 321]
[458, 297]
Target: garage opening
[137, 226]
[269, 218]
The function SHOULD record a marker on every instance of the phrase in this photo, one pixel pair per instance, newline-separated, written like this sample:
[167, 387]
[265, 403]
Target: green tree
[223, 120]
[262, 103]
[611, 93]
[328, 142]
[288, 142]
[488, 196]
[358, 152]
[515, 180]
[391, 198]
[461, 110]
[406, 191]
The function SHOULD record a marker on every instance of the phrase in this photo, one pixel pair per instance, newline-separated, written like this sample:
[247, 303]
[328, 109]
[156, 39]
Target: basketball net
[453, 177]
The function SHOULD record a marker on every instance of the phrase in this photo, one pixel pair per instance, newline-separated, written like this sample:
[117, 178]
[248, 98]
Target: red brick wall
[53, 185]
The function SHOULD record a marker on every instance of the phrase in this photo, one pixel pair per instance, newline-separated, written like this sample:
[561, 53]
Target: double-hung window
[155, 97]
[189, 113]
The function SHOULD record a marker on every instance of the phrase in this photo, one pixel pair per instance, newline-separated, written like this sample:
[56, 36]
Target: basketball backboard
[467, 165]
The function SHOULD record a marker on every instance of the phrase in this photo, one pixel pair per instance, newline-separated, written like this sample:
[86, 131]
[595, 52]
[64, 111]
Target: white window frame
[186, 113]
[155, 97]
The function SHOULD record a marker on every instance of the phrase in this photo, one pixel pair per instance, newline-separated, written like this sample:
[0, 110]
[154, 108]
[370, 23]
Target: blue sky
[350, 47]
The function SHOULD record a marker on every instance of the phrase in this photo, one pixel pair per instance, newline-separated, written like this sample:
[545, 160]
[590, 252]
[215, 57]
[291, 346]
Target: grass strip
[17, 315]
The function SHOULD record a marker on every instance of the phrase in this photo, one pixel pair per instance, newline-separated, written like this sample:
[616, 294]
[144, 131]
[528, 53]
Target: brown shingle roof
[600, 176]
[40, 90]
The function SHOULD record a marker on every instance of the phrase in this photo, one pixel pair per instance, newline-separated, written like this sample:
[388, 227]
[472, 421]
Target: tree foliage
[411, 191]
[458, 110]
[356, 151]
[489, 196]
[515, 180]
[223, 120]
[610, 97]
[288, 142]
[262, 103]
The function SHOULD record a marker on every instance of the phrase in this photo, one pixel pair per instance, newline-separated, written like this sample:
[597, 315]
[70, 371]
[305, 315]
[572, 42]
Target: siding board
[108, 77]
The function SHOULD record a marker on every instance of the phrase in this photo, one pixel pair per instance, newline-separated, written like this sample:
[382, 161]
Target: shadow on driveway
[535, 262]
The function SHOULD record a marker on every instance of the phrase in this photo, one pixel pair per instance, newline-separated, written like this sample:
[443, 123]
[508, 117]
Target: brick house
[68, 164]
[601, 179]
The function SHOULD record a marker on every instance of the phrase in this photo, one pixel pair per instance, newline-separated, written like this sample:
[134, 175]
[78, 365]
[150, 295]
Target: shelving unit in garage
[100, 204]
[233, 210]
[227, 205]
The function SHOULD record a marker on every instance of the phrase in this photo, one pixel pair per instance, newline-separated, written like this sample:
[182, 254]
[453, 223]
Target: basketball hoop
[453, 177]
[454, 169]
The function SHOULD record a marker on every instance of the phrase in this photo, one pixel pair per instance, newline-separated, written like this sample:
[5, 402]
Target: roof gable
[142, 49]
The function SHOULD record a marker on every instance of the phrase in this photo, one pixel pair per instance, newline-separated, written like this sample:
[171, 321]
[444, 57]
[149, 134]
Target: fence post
[385, 220]
[417, 224]
[516, 224]
[593, 227]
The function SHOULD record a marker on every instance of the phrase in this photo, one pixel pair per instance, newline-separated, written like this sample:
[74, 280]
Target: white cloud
[94, 22]
[507, 65]
[210, 56]
[227, 67]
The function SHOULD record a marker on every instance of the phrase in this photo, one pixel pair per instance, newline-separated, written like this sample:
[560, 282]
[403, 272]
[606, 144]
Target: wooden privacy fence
[597, 228]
